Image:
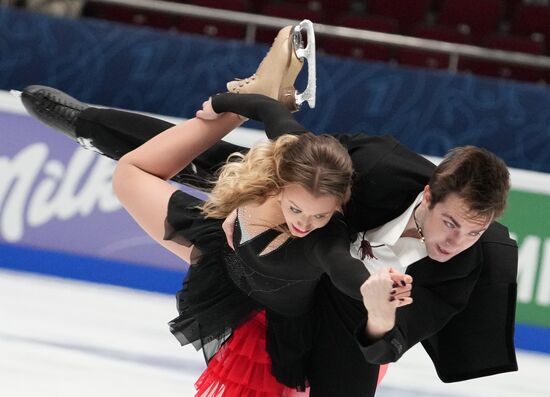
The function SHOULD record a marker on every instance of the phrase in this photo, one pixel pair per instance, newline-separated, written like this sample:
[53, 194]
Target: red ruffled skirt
[242, 367]
[382, 373]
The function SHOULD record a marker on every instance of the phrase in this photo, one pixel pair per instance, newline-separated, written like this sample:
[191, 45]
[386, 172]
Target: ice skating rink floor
[61, 338]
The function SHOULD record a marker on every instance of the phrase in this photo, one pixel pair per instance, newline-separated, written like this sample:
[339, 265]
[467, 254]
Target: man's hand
[381, 297]
[228, 225]
[207, 112]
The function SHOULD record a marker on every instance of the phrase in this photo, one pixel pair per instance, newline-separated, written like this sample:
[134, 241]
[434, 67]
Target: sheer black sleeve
[331, 252]
[276, 117]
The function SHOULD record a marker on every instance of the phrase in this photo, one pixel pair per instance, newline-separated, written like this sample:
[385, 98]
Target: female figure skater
[249, 308]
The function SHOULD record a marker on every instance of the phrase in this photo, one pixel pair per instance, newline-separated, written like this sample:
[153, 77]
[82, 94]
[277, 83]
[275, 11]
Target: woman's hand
[402, 286]
[207, 112]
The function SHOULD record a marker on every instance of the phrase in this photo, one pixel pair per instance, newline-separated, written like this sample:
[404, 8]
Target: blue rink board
[92, 269]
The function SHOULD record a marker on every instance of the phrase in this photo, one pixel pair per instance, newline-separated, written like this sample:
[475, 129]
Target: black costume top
[225, 287]
[284, 279]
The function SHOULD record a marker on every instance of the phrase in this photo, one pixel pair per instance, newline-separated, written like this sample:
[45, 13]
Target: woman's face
[305, 212]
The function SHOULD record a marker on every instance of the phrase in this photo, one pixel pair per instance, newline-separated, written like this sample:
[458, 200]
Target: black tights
[116, 132]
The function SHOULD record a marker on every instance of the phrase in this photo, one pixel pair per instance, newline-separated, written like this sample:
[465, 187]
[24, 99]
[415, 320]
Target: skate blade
[308, 53]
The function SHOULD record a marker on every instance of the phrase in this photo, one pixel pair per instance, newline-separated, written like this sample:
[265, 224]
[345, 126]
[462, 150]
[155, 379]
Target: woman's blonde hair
[319, 163]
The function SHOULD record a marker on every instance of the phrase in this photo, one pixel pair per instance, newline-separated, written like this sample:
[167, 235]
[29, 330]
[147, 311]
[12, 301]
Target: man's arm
[432, 308]
[487, 323]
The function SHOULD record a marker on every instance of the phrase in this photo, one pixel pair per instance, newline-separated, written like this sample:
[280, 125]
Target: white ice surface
[62, 338]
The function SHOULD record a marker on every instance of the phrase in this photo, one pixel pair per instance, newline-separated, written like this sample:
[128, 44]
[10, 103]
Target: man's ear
[427, 198]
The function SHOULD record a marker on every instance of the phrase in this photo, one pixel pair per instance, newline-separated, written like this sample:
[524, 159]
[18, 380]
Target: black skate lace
[58, 108]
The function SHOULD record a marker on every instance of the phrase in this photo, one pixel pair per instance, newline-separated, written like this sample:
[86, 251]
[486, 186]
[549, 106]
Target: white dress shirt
[388, 247]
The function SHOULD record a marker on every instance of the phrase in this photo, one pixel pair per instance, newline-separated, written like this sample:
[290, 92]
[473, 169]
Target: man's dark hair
[477, 176]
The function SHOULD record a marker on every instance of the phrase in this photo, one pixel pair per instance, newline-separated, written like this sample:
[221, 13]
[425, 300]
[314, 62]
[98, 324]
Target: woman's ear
[279, 196]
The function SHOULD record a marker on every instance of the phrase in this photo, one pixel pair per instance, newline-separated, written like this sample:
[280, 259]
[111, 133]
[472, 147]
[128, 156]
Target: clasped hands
[386, 289]
[383, 292]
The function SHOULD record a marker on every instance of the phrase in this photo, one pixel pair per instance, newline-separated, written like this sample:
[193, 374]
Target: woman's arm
[331, 252]
[140, 178]
[382, 293]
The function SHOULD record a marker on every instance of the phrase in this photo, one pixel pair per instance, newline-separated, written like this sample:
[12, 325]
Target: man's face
[448, 227]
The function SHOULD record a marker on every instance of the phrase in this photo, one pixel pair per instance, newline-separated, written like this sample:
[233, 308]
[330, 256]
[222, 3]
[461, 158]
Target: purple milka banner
[56, 196]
